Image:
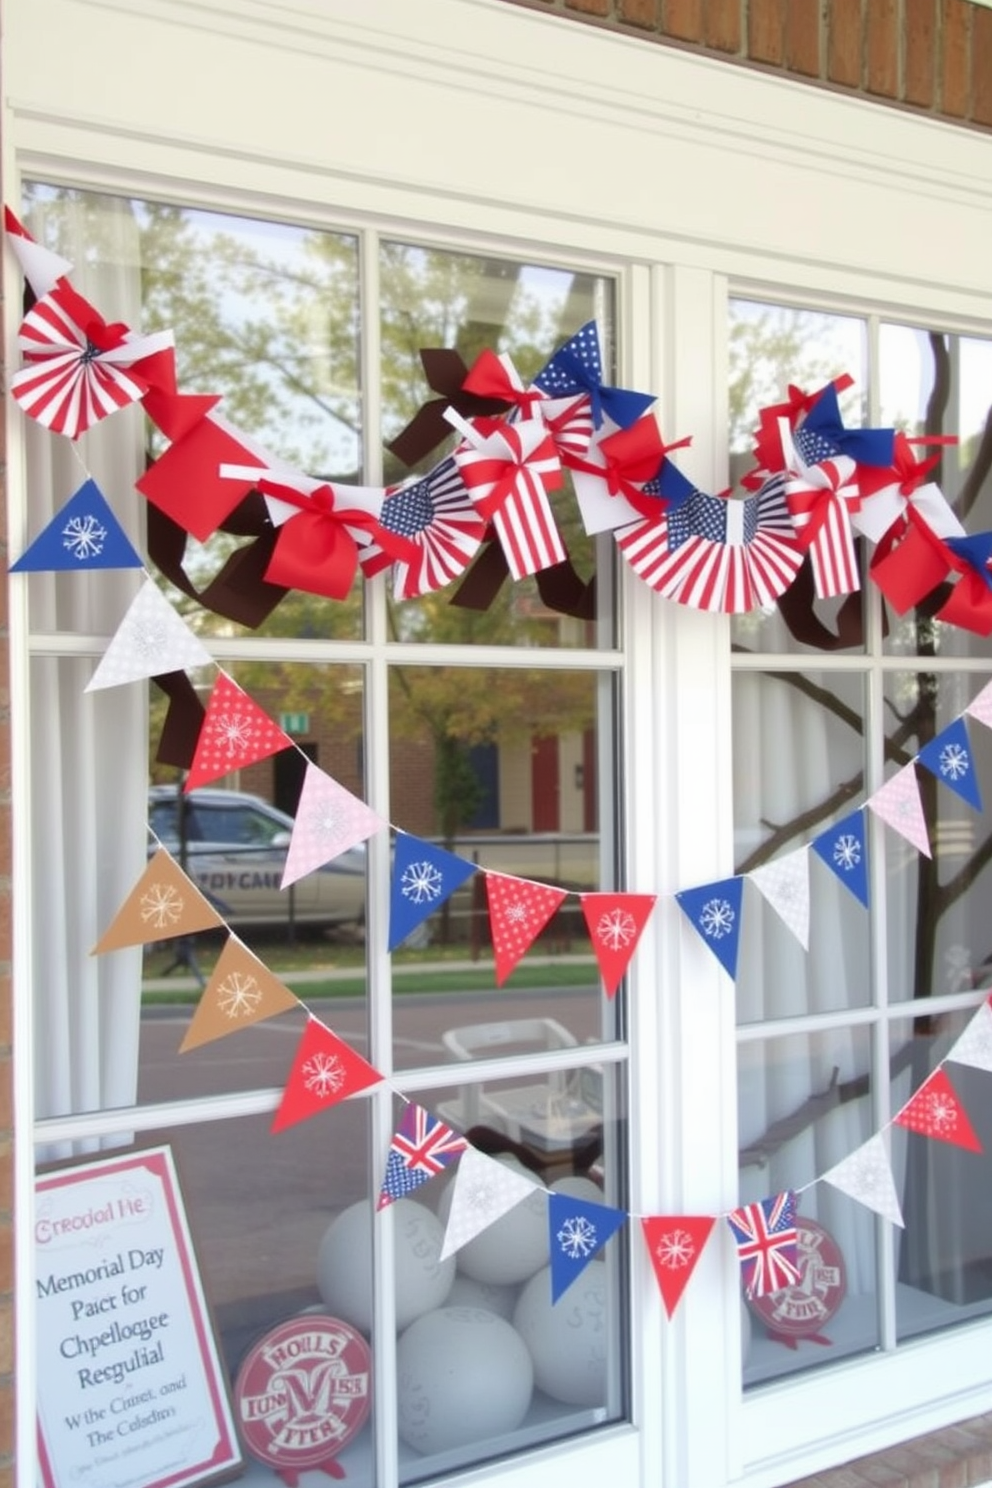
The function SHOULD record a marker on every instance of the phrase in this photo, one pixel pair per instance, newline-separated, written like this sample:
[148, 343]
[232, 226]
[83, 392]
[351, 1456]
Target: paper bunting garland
[236, 732]
[84, 534]
[151, 639]
[980, 707]
[898, 804]
[865, 1175]
[675, 1243]
[164, 903]
[615, 923]
[714, 912]
[422, 1147]
[844, 849]
[241, 991]
[974, 1046]
[784, 883]
[325, 1070]
[329, 820]
[424, 876]
[935, 1111]
[578, 1230]
[767, 1243]
[483, 1191]
[950, 758]
[518, 912]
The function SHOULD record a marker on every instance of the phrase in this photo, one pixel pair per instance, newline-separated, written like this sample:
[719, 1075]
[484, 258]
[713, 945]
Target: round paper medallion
[802, 1310]
[303, 1391]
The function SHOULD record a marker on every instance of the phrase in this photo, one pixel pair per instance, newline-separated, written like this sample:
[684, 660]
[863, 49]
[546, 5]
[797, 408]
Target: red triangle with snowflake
[235, 732]
[615, 923]
[518, 911]
[325, 1070]
[675, 1243]
[935, 1111]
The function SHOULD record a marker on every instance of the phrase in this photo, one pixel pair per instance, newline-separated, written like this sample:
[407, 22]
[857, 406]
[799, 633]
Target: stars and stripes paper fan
[241, 991]
[83, 534]
[615, 924]
[422, 1146]
[767, 1243]
[164, 903]
[437, 517]
[844, 849]
[329, 820]
[518, 911]
[898, 804]
[325, 1071]
[151, 640]
[675, 1244]
[236, 732]
[935, 1111]
[577, 1231]
[716, 554]
[949, 756]
[866, 1175]
[483, 1191]
[714, 911]
[424, 876]
[41, 267]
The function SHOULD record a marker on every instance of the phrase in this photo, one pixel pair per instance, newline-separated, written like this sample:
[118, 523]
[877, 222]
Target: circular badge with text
[303, 1391]
[802, 1310]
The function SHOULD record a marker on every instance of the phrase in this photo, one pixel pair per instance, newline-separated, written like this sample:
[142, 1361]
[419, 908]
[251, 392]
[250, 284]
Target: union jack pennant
[421, 1147]
[767, 1243]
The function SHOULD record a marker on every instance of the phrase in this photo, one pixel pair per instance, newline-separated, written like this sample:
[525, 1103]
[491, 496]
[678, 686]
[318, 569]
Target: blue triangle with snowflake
[84, 534]
[577, 1230]
[949, 757]
[714, 910]
[844, 849]
[424, 875]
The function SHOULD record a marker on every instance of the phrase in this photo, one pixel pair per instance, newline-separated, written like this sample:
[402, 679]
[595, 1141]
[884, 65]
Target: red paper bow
[315, 551]
[768, 449]
[633, 457]
[495, 376]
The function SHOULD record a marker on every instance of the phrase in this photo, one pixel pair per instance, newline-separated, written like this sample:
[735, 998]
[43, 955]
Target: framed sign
[132, 1391]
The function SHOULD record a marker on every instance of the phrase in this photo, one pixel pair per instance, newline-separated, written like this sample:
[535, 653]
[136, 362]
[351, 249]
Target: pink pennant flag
[325, 1070]
[518, 911]
[898, 804]
[981, 706]
[235, 732]
[675, 1243]
[935, 1111]
[329, 820]
[615, 924]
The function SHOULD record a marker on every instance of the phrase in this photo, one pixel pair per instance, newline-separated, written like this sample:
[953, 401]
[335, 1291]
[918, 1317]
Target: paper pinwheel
[577, 367]
[509, 470]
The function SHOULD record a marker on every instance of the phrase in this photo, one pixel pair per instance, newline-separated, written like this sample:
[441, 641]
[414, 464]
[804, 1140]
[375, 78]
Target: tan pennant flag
[241, 991]
[164, 903]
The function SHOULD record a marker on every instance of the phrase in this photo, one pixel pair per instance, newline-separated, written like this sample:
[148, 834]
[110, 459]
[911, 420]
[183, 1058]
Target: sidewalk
[349, 973]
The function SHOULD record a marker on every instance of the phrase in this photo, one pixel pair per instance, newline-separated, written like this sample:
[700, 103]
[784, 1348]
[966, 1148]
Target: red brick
[683, 19]
[766, 31]
[6, 1336]
[920, 50]
[955, 40]
[844, 47]
[590, 7]
[640, 13]
[6, 1011]
[882, 48]
[981, 67]
[7, 1403]
[802, 37]
[723, 25]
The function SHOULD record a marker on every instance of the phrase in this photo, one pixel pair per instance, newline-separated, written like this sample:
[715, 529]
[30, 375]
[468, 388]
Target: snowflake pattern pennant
[329, 820]
[235, 732]
[767, 1243]
[241, 991]
[865, 1175]
[784, 883]
[151, 639]
[615, 924]
[424, 876]
[936, 1111]
[844, 849]
[325, 1071]
[974, 1046]
[164, 903]
[578, 1230]
[675, 1243]
[422, 1147]
[949, 756]
[83, 534]
[898, 804]
[483, 1191]
[518, 911]
[714, 911]
[980, 707]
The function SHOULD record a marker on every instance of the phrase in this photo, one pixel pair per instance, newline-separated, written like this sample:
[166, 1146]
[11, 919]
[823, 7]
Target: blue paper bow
[577, 367]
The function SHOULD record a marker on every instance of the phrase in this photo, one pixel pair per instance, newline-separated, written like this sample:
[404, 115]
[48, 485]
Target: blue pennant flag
[715, 911]
[578, 1230]
[577, 367]
[423, 877]
[949, 757]
[822, 435]
[84, 534]
[844, 849]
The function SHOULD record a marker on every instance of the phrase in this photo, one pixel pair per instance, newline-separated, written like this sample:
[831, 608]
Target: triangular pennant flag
[578, 1230]
[949, 757]
[981, 706]
[974, 1046]
[235, 732]
[325, 1070]
[784, 883]
[483, 1191]
[615, 924]
[329, 820]
[151, 639]
[41, 267]
[866, 1176]
[935, 1111]
[844, 849]
[675, 1243]
[164, 903]
[898, 804]
[767, 1243]
[424, 876]
[422, 1146]
[519, 909]
[241, 991]
[714, 911]
[84, 534]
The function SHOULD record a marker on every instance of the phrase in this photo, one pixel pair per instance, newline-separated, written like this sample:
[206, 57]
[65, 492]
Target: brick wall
[934, 56]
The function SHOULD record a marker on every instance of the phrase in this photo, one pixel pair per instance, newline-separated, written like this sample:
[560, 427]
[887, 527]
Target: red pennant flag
[186, 482]
[675, 1243]
[935, 1111]
[326, 1070]
[615, 923]
[235, 732]
[518, 912]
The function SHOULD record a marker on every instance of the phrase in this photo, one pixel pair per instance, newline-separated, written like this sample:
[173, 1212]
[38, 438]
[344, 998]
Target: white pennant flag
[151, 639]
[898, 804]
[974, 1047]
[785, 884]
[483, 1191]
[866, 1176]
[981, 707]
